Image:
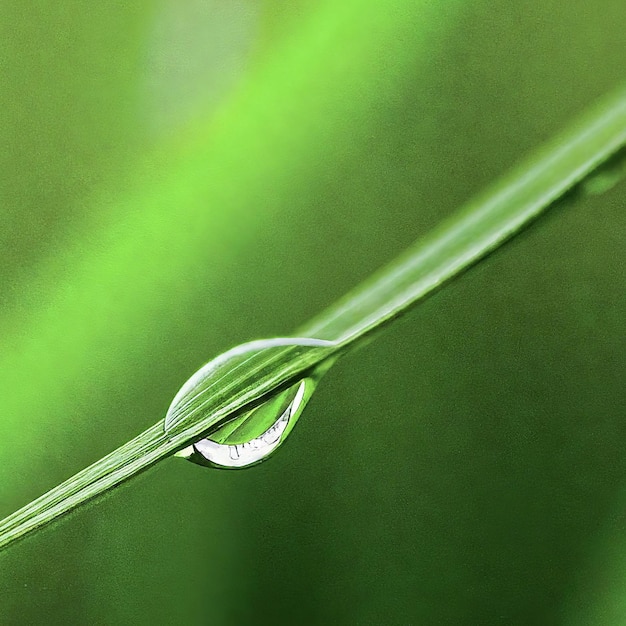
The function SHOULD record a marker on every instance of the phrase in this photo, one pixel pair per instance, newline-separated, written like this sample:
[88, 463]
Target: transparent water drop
[232, 447]
[605, 177]
[252, 436]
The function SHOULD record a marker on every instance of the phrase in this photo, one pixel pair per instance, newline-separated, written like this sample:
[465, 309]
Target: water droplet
[237, 444]
[605, 177]
[253, 435]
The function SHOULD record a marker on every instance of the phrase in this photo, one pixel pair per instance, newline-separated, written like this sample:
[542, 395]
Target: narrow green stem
[480, 226]
[466, 237]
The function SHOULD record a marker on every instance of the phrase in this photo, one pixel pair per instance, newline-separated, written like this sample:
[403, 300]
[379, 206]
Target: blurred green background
[180, 176]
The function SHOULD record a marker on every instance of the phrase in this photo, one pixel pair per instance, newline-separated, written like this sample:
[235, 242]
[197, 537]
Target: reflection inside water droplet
[232, 445]
[253, 435]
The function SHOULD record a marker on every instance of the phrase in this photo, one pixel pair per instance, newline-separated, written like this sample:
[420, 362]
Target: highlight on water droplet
[233, 446]
[255, 434]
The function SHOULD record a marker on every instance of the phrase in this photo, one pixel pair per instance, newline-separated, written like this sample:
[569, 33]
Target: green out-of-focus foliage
[178, 177]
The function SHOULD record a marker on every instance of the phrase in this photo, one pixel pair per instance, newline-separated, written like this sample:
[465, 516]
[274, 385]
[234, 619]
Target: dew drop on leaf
[255, 434]
[236, 445]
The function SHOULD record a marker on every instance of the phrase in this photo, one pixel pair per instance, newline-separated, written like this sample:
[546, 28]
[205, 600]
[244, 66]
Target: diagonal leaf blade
[468, 236]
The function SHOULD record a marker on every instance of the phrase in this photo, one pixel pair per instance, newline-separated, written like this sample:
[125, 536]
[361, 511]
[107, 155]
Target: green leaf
[475, 231]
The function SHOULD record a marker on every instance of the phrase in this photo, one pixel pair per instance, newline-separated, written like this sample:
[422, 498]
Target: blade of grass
[469, 235]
